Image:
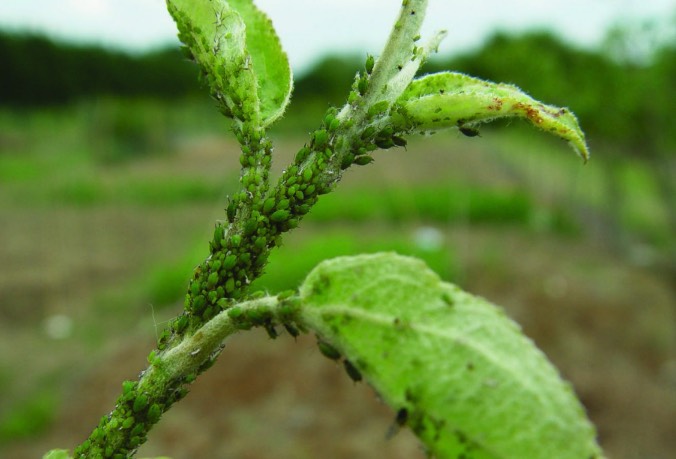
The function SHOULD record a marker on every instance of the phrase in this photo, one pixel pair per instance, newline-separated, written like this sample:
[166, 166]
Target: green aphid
[347, 161]
[250, 226]
[212, 279]
[284, 203]
[363, 160]
[299, 195]
[335, 124]
[235, 313]
[352, 371]
[353, 97]
[231, 210]
[320, 139]
[216, 265]
[310, 190]
[302, 209]
[140, 402]
[399, 141]
[370, 63]
[368, 132]
[198, 304]
[230, 261]
[230, 285]
[235, 241]
[379, 108]
[134, 441]
[307, 174]
[260, 242]
[363, 85]
[385, 142]
[137, 430]
[128, 386]
[180, 324]
[280, 216]
[194, 287]
[327, 350]
[218, 235]
[268, 205]
[212, 296]
[302, 155]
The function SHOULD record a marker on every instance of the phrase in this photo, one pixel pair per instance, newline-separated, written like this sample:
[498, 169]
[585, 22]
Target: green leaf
[239, 54]
[449, 99]
[270, 63]
[453, 366]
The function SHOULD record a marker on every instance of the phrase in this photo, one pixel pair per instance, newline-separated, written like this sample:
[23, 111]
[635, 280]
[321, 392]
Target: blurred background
[114, 165]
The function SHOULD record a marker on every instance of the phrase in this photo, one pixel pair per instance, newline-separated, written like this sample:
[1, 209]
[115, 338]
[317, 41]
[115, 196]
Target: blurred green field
[107, 206]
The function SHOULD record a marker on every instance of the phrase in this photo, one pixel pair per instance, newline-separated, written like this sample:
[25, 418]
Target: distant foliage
[611, 104]
[39, 72]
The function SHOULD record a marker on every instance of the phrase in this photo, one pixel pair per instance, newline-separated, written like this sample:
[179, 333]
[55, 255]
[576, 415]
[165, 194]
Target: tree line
[620, 101]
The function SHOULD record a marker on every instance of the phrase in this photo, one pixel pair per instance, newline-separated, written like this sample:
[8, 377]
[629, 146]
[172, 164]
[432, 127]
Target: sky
[310, 28]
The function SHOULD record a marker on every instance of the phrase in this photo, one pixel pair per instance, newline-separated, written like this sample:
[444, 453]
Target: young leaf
[449, 99]
[452, 366]
[239, 53]
[215, 36]
[269, 61]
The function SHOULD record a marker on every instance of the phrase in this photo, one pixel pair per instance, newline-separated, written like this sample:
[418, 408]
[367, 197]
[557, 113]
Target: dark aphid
[363, 160]
[468, 131]
[399, 141]
[327, 350]
[271, 330]
[291, 330]
[402, 417]
[400, 421]
[352, 371]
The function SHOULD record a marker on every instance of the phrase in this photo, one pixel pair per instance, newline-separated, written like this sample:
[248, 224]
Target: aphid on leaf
[352, 371]
[293, 331]
[400, 421]
[469, 131]
[327, 350]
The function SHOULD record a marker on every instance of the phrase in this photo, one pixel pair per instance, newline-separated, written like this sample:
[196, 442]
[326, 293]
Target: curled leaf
[269, 61]
[449, 99]
[239, 54]
[452, 366]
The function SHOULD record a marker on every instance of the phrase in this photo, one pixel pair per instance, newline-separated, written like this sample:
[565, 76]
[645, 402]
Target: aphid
[402, 417]
[280, 215]
[468, 131]
[370, 63]
[271, 330]
[291, 330]
[231, 209]
[400, 420]
[399, 141]
[352, 371]
[140, 403]
[363, 160]
[327, 350]
[212, 279]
